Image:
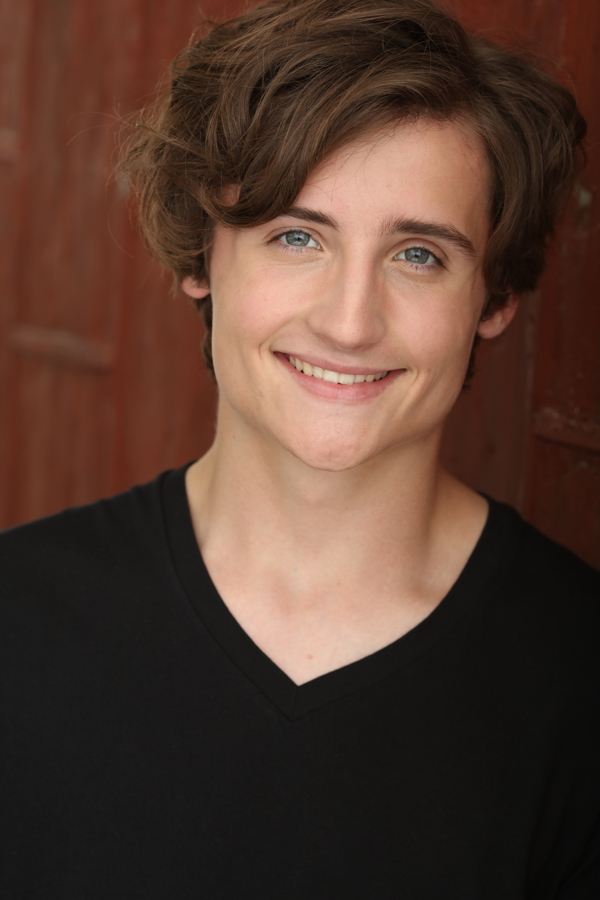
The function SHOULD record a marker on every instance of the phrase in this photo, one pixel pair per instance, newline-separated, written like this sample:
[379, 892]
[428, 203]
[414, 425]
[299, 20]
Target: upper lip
[342, 368]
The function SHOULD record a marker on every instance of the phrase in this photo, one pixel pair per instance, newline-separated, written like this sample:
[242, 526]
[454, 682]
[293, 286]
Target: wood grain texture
[15, 29]
[105, 372]
[101, 379]
[563, 487]
[539, 417]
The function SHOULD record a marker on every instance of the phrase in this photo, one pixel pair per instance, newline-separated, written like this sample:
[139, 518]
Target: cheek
[440, 360]
[458, 326]
[238, 311]
[439, 337]
[251, 310]
[244, 322]
[237, 297]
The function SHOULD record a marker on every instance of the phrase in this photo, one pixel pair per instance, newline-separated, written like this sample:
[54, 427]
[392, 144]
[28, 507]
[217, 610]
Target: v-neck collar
[491, 553]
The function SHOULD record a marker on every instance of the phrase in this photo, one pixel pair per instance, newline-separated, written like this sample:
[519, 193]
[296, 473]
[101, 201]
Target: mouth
[334, 377]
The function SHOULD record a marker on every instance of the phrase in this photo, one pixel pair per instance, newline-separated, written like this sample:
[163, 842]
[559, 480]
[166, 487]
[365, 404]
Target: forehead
[428, 171]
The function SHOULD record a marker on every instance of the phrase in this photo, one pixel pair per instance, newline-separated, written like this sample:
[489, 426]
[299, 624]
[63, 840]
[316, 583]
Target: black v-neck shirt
[151, 750]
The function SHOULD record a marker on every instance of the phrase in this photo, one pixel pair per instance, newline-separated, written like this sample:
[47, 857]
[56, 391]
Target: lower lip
[366, 390]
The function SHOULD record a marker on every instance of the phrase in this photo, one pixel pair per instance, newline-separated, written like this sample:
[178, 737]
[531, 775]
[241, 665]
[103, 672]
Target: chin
[331, 456]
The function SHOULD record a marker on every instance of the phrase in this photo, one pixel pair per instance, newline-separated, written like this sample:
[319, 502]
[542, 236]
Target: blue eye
[298, 238]
[419, 256]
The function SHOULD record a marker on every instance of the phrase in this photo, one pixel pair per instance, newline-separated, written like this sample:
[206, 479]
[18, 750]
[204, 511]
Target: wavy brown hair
[260, 101]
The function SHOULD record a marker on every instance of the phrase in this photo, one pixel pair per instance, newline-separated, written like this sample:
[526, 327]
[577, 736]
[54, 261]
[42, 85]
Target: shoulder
[547, 600]
[90, 531]
[538, 567]
[90, 607]
[554, 576]
[81, 554]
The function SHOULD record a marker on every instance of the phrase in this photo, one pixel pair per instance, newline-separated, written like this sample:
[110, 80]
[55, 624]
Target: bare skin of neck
[324, 568]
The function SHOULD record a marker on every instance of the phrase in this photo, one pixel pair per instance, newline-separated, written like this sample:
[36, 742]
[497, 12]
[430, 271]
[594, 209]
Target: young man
[312, 664]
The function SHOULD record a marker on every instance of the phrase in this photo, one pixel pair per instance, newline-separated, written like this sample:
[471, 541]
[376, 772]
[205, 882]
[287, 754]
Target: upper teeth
[334, 377]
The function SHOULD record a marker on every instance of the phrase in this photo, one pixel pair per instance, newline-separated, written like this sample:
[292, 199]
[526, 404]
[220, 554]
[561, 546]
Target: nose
[348, 313]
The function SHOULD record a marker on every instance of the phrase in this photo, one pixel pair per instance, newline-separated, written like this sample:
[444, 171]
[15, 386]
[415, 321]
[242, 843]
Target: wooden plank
[63, 436]
[9, 146]
[58, 347]
[16, 23]
[486, 435]
[554, 426]
[165, 404]
[566, 403]
[566, 497]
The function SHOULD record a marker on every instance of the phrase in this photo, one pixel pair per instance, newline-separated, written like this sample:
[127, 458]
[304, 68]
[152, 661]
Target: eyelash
[288, 248]
[428, 267]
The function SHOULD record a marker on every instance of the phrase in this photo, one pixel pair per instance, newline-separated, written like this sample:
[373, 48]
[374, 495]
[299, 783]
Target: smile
[333, 377]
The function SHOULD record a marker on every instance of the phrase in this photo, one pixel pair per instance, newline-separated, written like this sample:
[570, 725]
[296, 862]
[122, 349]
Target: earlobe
[196, 289]
[499, 320]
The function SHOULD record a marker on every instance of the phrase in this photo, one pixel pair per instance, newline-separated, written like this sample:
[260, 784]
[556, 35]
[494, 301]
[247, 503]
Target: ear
[495, 324]
[196, 289]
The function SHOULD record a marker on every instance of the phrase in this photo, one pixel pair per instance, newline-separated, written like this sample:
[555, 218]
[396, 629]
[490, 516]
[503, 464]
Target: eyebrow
[310, 215]
[396, 226]
[432, 229]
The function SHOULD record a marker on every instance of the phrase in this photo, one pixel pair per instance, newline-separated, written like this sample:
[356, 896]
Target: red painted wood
[563, 494]
[104, 367]
[15, 23]
[101, 379]
[486, 437]
[533, 440]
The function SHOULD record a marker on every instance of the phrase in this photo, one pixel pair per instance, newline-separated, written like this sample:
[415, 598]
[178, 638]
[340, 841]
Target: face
[342, 329]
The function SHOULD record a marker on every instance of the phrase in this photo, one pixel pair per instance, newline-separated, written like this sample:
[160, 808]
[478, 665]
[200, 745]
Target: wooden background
[101, 379]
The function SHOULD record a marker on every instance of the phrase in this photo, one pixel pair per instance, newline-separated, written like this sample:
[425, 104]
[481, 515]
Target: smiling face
[343, 329]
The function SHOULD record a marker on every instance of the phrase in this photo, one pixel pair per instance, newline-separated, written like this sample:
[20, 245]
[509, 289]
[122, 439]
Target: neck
[302, 531]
